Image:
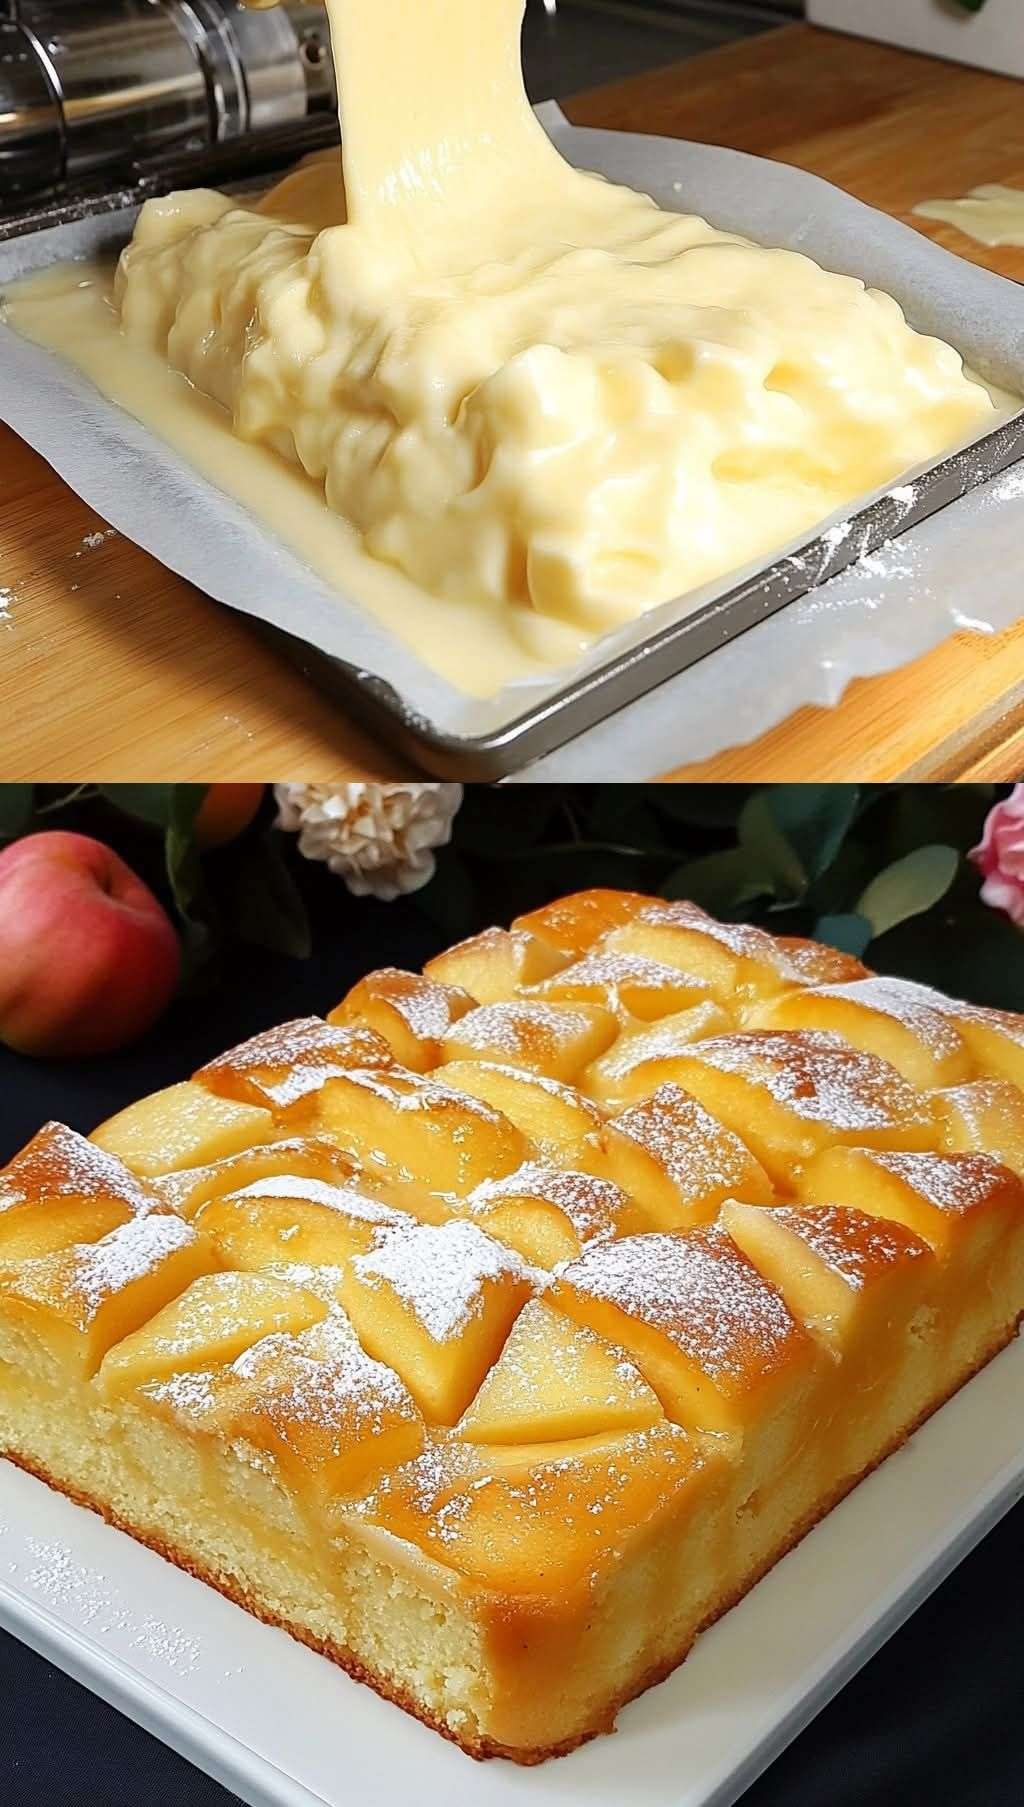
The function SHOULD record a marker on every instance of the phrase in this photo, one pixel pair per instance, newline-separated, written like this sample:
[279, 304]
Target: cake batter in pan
[149, 492]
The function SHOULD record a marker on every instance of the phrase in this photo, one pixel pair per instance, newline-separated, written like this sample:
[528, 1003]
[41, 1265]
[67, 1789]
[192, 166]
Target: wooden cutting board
[114, 668]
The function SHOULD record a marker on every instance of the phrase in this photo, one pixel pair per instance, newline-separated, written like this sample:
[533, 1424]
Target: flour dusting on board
[90, 541]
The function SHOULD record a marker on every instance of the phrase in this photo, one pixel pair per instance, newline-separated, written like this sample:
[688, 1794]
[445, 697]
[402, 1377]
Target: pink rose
[1001, 856]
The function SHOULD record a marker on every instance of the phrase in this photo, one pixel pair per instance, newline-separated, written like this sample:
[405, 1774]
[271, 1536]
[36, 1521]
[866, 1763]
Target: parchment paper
[963, 568]
[959, 568]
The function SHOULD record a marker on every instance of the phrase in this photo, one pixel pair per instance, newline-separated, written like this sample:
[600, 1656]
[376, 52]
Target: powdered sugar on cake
[522, 1030]
[675, 1034]
[817, 1075]
[740, 938]
[849, 1242]
[953, 1182]
[59, 1163]
[699, 1291]
[593, 1206]
[323, 1377]
[440, 1271]
[287, 1063]
[320, 1192]
[609, 975]
[696, 1151]
[917, 1007]
[101, 1270]
[427, 1008]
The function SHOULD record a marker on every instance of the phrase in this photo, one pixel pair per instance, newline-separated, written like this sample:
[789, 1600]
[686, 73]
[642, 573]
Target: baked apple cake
[494, 1334]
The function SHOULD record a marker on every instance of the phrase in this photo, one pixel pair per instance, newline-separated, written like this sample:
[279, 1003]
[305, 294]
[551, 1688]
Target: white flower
[377, 837]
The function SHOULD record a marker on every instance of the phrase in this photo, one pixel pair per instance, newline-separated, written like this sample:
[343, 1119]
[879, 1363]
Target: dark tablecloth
[937, 1717]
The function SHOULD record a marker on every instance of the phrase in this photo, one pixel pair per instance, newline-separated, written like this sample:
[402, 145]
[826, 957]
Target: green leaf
[766, 851]
[152, 803]
[269, 908]
[181, 851]
[850, 932]
[720, 882]
[17, 802]
[795, 831]
[182, 804]
[835, 892]
[908, 887]
[816, 819]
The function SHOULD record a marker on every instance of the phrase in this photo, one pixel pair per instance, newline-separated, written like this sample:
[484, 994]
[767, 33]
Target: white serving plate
[282, 1727]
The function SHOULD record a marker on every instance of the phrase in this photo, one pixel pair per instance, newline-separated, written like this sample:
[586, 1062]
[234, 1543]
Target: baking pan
[630, 675]
[387, 688]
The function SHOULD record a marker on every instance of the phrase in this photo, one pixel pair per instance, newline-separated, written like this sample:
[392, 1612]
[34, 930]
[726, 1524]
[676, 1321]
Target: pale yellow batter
[539, 403]
[992, 214]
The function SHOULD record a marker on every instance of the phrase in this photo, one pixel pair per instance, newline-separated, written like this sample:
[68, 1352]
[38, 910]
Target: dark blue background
[936, 1718]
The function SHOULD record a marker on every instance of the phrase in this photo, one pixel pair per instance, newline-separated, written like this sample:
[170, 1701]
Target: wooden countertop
[114, 668]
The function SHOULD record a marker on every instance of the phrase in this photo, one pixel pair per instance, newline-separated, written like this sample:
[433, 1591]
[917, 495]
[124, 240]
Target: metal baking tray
[604, 685]
[602, 691]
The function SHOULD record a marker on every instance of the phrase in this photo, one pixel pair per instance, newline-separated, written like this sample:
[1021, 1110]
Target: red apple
[226, 811]
[88, 958]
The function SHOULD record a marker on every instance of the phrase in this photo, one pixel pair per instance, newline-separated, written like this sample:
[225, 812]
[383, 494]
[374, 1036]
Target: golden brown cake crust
[482, 1749]
[579, 1309]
